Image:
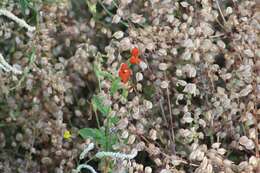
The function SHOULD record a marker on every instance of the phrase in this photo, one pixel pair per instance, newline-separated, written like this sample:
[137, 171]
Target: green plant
[100, 155]
[102, 135]
[31, 5]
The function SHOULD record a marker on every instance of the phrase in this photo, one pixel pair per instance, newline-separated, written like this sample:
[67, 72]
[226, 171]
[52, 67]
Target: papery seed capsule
[163, 66]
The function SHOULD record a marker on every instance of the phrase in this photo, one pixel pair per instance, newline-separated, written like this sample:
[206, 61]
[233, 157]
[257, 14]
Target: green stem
[97, 119]
[111, 14]
[107, 133]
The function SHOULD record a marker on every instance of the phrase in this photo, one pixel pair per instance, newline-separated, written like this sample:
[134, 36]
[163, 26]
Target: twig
[220, 11]
[215, 36]
[19, 21]
[256, 136]
[255, 112]
[7, 67]
[90, 168]
[163, 113]
[220, 24]
[171, 117]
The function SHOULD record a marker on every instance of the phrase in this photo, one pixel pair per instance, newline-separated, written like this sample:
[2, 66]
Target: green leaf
[149, 91]
[97, 135]
[14, 114]
[114, 120]
[125, 93]
[98, 104]
[107, 75]
[24, 5]
[115, 86]
[99, 73]
[92, 7]
[112, 141]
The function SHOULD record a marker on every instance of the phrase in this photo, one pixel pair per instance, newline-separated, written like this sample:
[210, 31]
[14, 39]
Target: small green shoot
[98, 104]
[99, 136]
[29, 5]
[116, 85]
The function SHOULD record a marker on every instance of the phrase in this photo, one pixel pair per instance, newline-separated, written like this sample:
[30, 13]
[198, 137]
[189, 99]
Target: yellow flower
[67, 135]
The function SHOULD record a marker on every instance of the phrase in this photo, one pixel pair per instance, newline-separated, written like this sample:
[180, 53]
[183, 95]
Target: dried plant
[129, 86]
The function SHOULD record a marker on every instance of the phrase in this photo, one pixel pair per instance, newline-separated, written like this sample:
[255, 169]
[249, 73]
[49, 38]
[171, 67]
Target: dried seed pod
[118, 34]
[148, 169]
[139, 76]
[46, 161]
[153, 134]
[247, 143]
[163, 66]
[131, 139]
[164, 84]
[148, 104]
[190, 88]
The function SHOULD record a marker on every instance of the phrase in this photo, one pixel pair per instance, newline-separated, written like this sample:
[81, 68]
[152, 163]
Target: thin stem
[171, 117]
[255, 113]
[256, 136]
[111, 14]
[220, 11]
[163, 113]
[115, 4]
[220, 24]
[97, 119]
[107, 133]
[216, 36]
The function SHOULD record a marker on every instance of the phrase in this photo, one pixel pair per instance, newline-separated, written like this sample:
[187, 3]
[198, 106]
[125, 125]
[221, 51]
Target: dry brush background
[196, 108]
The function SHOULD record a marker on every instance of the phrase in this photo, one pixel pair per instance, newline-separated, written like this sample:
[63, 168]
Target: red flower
[135, 52]
[135, 60]
[135, 56]
[124, 73]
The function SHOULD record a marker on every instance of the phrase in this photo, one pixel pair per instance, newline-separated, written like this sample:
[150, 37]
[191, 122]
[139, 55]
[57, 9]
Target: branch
[19, 21]
[7, 67]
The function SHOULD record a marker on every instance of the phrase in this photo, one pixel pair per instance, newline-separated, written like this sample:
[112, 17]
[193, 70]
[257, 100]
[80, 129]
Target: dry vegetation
[191, 104]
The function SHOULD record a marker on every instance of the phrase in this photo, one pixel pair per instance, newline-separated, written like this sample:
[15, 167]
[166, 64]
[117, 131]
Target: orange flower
[135, 60]
[135, 52]
[124, 73]
[135, 56]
